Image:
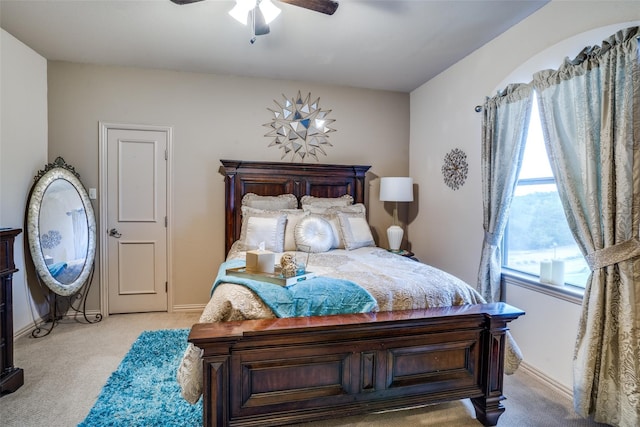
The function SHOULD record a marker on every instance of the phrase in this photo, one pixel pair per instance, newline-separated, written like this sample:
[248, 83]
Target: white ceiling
[389, 45]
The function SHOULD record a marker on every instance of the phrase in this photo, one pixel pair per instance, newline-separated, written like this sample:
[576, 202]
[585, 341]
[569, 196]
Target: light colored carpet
[65, 372]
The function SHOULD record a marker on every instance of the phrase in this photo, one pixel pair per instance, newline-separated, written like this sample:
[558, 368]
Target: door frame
[103, 228]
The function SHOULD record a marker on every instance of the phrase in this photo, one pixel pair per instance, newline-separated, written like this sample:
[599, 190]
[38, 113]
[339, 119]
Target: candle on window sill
[545, 271]
[557, 272]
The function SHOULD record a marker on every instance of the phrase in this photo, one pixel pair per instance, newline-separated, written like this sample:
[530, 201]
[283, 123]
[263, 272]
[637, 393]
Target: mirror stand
[61, 229]
[60, 306]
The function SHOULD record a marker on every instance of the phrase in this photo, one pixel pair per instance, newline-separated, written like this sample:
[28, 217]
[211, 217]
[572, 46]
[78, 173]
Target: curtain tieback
[613, 254]
[492, 239]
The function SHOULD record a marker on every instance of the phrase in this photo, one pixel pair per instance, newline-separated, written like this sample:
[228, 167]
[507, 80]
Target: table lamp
[396, 189]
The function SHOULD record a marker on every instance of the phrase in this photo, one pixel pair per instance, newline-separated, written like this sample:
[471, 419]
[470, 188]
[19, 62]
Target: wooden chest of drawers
[11, 378]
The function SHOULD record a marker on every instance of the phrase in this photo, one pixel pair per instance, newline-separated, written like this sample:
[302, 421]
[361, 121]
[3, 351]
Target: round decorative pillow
[314, 233]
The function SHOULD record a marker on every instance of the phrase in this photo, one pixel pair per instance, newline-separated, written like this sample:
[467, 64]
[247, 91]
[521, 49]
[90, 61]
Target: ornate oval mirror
[61, 228]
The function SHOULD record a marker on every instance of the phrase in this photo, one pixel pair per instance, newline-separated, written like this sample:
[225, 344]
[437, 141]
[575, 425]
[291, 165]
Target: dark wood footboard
[283, 371]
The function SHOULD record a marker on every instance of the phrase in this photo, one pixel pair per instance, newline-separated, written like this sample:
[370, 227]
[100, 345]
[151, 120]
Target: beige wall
[23, 151]
[215, 117]
[447, 231]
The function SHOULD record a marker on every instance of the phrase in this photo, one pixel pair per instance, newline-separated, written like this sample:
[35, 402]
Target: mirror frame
[52, 172]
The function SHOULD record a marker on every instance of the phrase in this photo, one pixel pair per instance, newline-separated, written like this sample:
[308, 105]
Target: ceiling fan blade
[181, 2]
[328, 7]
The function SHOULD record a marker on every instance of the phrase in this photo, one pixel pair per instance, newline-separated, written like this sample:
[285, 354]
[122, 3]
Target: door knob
[115, 233]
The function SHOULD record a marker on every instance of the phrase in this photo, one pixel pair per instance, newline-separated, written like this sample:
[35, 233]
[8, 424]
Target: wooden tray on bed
[275, 278]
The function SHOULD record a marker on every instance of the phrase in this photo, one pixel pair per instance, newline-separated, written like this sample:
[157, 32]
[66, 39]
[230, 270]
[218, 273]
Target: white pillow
[267, 227]
[272, 203]
[332, 219]
[293, 216]
[314, 234]
[344, 200]
[355, 230]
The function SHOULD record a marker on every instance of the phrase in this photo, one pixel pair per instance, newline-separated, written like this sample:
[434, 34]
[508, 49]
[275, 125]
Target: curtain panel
[590, 112]
[504, 132]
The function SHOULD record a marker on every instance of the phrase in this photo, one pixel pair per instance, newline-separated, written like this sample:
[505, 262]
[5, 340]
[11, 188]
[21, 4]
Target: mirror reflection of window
[80, 229]
[64, 231]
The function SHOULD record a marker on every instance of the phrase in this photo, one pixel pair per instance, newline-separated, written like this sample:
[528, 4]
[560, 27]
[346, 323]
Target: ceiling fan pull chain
[253, 27]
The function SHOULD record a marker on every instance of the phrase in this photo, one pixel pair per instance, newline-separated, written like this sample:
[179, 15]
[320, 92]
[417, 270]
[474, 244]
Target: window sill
[568, 293]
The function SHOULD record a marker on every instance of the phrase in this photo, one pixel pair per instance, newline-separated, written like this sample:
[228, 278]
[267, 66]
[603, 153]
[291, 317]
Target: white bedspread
[396, 282]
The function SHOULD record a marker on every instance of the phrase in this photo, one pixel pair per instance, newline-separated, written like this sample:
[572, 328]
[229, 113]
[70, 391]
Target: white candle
[545, 271]
[557, 272]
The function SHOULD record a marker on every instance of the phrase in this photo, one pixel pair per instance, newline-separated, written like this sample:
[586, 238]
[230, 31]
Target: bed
[423, 337]
[67, 272]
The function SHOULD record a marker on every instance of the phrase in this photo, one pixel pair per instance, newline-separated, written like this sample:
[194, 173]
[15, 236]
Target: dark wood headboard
[274, 178]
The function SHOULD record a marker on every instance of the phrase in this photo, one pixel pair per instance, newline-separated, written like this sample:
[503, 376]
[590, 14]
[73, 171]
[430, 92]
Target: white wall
[447, 231]
[23, 149]
[215, 117]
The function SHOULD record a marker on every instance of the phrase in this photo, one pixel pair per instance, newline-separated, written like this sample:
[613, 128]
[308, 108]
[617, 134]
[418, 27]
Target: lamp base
[394, 235]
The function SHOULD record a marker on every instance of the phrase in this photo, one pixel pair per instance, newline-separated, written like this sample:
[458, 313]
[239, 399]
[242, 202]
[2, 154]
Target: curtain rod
[478, 108]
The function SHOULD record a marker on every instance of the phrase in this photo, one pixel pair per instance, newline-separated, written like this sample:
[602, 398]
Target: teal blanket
[57, 268]
[312, 297]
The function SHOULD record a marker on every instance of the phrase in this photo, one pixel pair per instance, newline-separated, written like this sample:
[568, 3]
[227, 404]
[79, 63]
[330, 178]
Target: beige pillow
[344, 200]
[271, 203]
[293, 216]
[314, 234]
[330, 214]
[355, 230]
[330, 210]
[265, 226]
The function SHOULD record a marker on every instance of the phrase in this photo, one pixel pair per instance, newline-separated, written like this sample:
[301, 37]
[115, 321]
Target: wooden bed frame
[282, 371]
[273, 179]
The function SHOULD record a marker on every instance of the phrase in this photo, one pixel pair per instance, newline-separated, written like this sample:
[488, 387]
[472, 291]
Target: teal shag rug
[143, 391]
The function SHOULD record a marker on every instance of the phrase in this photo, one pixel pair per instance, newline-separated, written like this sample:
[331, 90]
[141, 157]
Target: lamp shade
[396, 189]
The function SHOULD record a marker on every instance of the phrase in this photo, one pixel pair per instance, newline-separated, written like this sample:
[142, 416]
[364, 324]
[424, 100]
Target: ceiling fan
[261, 12]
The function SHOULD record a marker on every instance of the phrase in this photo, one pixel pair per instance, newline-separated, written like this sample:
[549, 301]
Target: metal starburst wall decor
[299, 128]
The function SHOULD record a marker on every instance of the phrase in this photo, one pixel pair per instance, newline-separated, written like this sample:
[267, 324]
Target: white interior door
[136, 230]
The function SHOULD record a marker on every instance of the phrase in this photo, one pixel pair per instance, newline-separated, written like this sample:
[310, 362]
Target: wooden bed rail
[288, 370]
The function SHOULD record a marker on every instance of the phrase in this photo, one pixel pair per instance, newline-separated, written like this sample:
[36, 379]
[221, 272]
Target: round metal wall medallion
[455, 168]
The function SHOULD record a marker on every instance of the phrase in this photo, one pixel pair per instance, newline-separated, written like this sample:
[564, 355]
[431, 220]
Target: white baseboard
[189, 308]
[548, 381]
[26, 330]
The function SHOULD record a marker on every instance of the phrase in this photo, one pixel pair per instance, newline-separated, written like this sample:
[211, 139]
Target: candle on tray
[545, 271]
[557, 272]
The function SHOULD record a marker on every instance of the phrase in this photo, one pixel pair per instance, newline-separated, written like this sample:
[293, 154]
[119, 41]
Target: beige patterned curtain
[590, 111]
[504, 133]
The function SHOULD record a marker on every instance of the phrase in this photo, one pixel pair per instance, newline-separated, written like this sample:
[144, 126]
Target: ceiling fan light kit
[261, 12]
[269, 11]
[241, 10]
